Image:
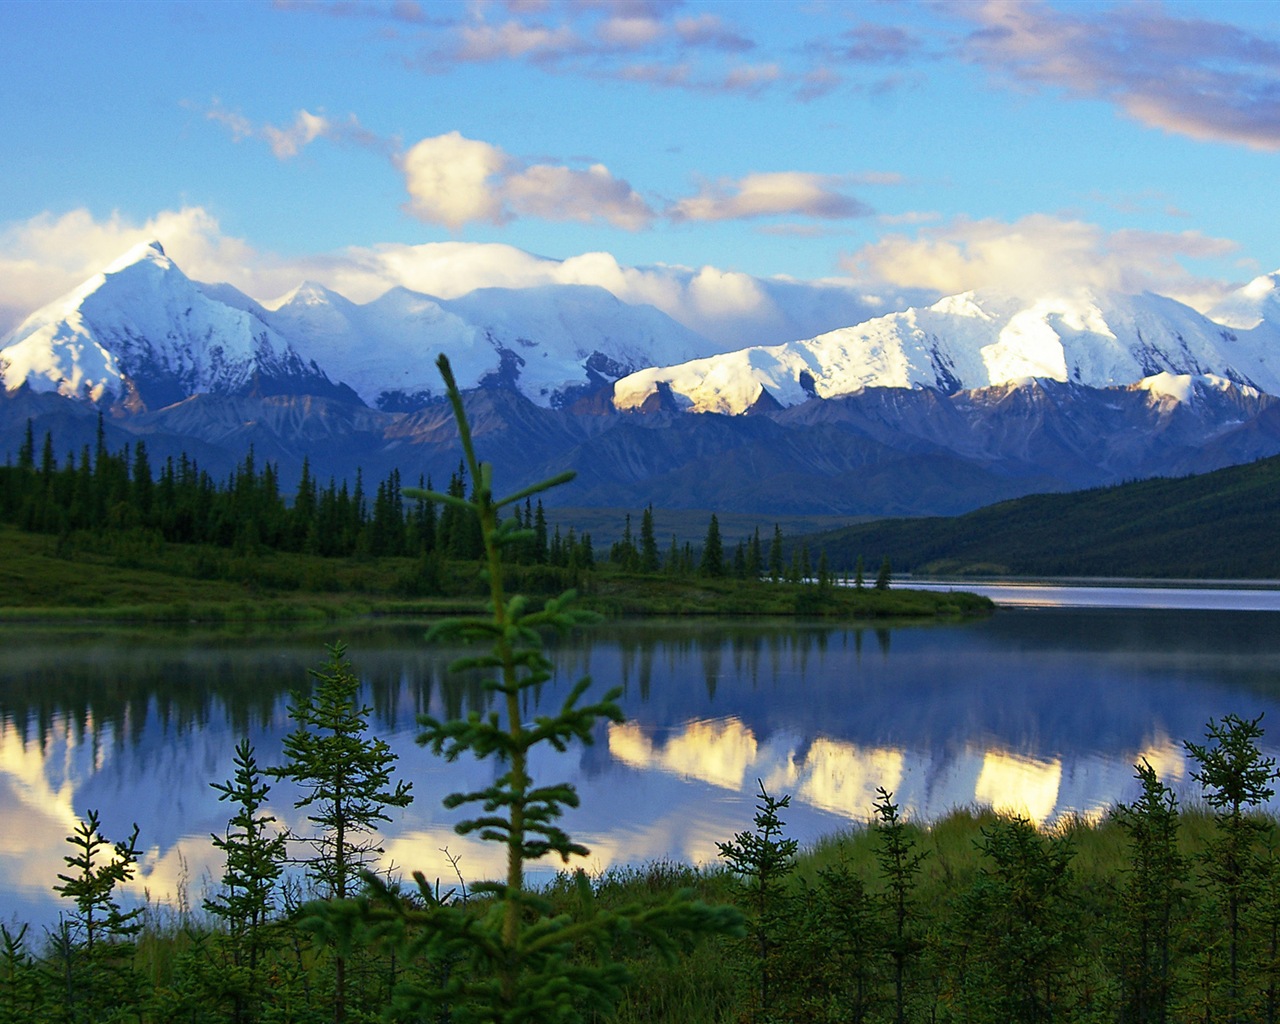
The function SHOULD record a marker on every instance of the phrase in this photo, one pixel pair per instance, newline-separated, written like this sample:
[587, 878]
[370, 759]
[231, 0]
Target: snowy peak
[384, 350]
[547, 342]
[143, 335]
[975, 340]
[1248, 307]
[144, 252]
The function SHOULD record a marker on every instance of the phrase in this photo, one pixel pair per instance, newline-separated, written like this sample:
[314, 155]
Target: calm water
[1038, 710]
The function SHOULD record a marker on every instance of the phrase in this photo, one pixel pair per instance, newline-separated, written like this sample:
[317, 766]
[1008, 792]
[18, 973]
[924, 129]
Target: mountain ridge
[811, 426]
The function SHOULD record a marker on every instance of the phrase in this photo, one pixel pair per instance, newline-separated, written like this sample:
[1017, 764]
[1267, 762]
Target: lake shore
[1116, 592]
[51, 579]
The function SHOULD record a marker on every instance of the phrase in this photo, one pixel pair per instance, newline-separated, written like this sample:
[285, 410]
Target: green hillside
[1224, 524]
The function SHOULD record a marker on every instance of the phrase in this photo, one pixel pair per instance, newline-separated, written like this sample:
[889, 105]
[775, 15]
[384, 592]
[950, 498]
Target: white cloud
[1038, 252]
[450, 180]
[46, 256]
[483, 42]
[631, 32]
[770, 195]
[453, 180]
[561, 193]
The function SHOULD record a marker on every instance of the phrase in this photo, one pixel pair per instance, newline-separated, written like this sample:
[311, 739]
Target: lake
[1038, 710]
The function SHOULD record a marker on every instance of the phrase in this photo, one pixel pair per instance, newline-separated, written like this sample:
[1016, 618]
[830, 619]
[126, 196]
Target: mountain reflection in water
[1036, 712]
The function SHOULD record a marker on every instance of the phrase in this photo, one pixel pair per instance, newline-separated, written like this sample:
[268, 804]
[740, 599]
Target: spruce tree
[521, 964]
[900, 864]
[255, 854]
[345, 776]
[27, 450]
[649, 561]
[712, 562]
[1152, 893]
[755, 558]
[95, 942]
[775, 555]
[884, 576]
[1236, 779]
[764, 860]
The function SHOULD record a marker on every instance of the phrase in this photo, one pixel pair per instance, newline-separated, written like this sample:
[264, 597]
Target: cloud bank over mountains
[47, 255]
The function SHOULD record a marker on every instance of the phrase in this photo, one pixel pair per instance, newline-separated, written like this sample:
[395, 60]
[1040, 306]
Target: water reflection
[1039, 712]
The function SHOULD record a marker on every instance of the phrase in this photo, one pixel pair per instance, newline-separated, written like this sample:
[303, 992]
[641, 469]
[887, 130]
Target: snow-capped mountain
[937, 409]
[141, 334]
[547, 342]
[974, 340]
[1256, 304]
[384, 350]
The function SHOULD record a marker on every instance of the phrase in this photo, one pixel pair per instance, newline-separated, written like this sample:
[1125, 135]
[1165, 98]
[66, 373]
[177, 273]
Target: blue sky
[755, 169]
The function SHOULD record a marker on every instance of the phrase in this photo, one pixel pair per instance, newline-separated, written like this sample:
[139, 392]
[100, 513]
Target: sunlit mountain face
[938, 409]
[1039, 713]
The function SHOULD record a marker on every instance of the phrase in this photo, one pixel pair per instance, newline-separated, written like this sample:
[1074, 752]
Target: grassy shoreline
[86, 579]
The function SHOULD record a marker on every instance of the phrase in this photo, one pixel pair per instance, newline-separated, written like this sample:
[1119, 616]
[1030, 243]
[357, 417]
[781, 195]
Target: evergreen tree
[900, 865]
[712, 563]
[883, 576]
[755, 557]
[541, 553]
[649, 561]
[764, 859]
[27, 450]
[775, 555]
[1015, 934]
[1149, 900]
[95, 943]
[1236, 780]
[345, 777]
[255, 856]
[21, 986]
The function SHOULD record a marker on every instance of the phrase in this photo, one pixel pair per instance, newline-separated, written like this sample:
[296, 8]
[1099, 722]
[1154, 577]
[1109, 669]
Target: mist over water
[1038, 711]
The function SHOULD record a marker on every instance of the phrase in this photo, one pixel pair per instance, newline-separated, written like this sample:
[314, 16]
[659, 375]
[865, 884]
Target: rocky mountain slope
[977, 398]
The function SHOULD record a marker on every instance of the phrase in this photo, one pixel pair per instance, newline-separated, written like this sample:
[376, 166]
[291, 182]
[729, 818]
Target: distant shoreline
[1117, 592]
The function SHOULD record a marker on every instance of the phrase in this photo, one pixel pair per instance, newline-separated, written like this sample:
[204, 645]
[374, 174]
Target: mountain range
[980, 397]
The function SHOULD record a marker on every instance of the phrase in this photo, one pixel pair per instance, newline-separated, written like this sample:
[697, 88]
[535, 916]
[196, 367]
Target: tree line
[123, 493]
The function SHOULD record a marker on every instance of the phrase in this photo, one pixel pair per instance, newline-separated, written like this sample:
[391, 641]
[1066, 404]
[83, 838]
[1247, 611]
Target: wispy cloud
[785, 193]
[288, 140]
[1189, 76]
[662, 45]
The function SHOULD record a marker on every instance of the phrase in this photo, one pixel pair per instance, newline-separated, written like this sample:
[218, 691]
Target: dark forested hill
[1224, 524]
